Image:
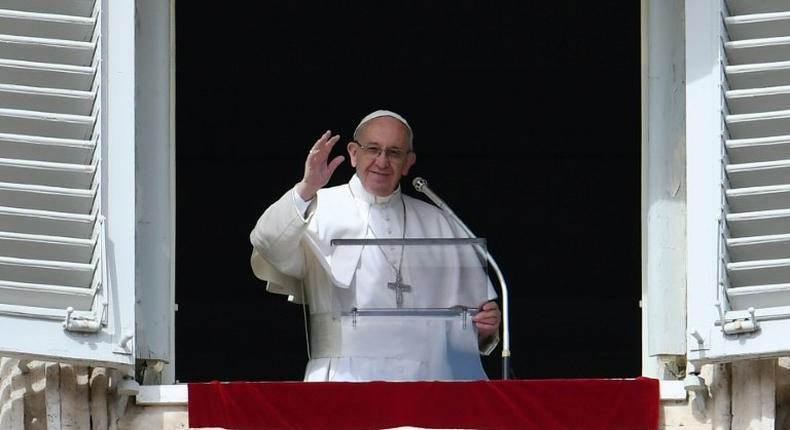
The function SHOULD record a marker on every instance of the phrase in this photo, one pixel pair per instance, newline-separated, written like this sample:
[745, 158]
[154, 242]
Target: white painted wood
[750, 255]
[161, 395]
[67, 121]
[664, 187]
[703, 168]
[155, 183]
[753, 394]
[119, 155]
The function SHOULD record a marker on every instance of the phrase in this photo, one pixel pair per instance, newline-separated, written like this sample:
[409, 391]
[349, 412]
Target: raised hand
[317, 169]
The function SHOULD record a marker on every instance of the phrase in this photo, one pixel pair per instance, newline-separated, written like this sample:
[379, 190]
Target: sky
[526, 119]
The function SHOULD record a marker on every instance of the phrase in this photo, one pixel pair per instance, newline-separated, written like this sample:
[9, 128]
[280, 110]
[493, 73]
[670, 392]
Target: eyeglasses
[392, 154]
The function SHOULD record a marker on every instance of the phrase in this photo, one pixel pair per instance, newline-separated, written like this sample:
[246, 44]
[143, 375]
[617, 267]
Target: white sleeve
[301, 205]
[277, 236]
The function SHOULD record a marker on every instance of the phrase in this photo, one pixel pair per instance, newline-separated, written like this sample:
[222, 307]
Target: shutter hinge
[81, 323]
[739, 325]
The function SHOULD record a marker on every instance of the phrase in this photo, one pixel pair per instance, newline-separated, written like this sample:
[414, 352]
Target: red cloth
[557, 404]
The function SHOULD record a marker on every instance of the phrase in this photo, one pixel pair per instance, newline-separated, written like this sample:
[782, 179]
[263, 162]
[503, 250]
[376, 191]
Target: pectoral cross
[399, 288]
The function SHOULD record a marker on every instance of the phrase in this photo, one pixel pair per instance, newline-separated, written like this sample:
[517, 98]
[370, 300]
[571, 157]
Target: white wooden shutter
[56, 299]
[750, 306]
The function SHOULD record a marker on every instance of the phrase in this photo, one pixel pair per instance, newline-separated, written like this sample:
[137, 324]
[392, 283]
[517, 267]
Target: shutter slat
[748, 7]
[46, 74]
[758, 223]
[759, 296]
[31, 221]
[755, 100]
[46, 272]
[762, 173]
[46, 149]
[18, 121]
[46, 296]
[757, 149]
[71, 102]
[46, 25]
[71, 200]
[757, 26]
[760, 124]
[755, 199]
[759, 247]
[758, 75]
[756, 50]
[47, 173]
[759, 272]
[35, 246]
[84, 8]
[59, 51]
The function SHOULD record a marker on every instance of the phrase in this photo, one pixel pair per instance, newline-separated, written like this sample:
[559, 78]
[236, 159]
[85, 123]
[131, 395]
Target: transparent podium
[410, 311]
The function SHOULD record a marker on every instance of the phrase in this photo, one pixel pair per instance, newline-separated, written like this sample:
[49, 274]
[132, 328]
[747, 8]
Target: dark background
[527, 123]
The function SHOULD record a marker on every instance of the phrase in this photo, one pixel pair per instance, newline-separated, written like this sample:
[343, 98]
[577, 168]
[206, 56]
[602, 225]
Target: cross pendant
[399, 288]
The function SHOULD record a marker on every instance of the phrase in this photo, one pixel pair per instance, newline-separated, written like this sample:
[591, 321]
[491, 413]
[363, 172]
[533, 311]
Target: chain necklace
[398, 286]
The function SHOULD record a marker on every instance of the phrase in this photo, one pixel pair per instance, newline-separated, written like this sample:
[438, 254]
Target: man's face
[381, 156]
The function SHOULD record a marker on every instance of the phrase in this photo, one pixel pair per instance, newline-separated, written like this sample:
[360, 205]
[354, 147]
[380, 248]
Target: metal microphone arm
[421, 185]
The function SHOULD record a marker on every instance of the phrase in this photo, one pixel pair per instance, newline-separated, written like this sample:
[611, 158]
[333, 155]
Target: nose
[382, 160]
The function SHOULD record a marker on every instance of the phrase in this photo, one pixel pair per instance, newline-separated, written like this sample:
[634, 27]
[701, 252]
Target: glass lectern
[413, 301]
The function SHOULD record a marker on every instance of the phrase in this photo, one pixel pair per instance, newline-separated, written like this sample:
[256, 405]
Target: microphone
[421, 185]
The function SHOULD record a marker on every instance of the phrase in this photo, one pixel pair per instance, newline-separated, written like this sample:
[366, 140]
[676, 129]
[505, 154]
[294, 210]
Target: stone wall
[39, 395]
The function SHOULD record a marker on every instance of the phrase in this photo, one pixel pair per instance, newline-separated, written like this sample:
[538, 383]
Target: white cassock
[293, 252]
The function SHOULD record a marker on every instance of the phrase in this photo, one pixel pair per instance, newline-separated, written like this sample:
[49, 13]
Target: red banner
[557, 404]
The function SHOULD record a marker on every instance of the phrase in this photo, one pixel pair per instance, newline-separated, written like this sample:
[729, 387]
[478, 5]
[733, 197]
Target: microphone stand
[421, 185]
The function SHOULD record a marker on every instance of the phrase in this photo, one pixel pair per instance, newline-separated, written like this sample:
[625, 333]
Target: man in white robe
[292, 250]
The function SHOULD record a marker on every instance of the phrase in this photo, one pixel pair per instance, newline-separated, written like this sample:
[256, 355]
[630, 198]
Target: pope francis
[293, 251]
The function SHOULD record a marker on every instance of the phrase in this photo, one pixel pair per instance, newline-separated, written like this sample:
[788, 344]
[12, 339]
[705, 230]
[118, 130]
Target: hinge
[738, 325]
[84, 323]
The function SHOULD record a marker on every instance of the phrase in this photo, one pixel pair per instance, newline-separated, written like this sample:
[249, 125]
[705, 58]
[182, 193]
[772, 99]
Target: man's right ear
[352, 149]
